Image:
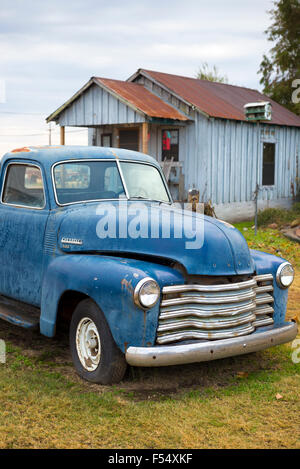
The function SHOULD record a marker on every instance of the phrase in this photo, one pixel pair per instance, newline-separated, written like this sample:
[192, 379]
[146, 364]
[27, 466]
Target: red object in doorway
[166, 141]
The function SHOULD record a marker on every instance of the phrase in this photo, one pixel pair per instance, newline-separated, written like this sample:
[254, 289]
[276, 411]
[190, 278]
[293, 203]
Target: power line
[40, 134]
[23, 113]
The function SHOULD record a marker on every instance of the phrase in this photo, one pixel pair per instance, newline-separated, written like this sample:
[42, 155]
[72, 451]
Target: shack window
[268, 173]
[106, 140]
[170, 145]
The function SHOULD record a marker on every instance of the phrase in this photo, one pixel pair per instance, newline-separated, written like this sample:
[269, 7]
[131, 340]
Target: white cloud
[49, 50]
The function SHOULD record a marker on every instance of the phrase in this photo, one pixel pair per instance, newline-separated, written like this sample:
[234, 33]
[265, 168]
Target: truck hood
[123, 228]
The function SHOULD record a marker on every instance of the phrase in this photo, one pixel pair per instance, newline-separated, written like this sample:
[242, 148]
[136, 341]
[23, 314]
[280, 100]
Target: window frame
[178, 144]
[262, 165]
[110, 139]
[99, 160]
[23, 163]
[162, 178]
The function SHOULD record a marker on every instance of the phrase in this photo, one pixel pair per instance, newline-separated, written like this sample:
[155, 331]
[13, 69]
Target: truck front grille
[212, 312]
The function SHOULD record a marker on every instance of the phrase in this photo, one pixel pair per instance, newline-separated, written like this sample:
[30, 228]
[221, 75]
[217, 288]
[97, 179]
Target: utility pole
[257, 178]
[50, 130]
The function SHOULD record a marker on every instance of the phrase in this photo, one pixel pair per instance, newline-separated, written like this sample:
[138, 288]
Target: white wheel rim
[88, 344]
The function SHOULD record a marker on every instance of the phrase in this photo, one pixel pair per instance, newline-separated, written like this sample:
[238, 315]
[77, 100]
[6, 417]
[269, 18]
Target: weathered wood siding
[97, 107]
[222, 155]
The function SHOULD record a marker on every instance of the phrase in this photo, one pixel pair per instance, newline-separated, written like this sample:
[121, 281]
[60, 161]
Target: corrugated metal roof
[218, 99]
[142, 99]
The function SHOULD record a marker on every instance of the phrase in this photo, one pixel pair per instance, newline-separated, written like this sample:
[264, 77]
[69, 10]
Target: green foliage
[296, 208]
[278, 215]
[210, 74]
[271, 241]
[281, 67]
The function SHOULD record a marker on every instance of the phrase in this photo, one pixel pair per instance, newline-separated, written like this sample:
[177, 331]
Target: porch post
[145, 129]
[62, 135]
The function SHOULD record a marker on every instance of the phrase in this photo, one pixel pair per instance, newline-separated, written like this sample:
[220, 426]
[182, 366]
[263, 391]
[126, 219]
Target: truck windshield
[84, 181]
[144, 181]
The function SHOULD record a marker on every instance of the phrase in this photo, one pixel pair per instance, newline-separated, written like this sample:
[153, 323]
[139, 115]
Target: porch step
[19, 314]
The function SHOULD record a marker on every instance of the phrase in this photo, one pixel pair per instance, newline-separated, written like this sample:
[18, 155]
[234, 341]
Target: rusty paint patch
[220, 99]
[127, 285]
[115, 155]
[21, 150]
[142, 99]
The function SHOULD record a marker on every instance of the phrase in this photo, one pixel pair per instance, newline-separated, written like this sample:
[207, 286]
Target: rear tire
[95, 355]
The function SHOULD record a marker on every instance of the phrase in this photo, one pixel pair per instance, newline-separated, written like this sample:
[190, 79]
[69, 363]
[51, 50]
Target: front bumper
[210, 350]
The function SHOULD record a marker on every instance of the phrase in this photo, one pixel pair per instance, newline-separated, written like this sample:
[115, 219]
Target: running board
[19, 314]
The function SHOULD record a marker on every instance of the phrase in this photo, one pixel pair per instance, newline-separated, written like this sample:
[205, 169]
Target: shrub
[278, 215]
[296, 208]
[273, 215]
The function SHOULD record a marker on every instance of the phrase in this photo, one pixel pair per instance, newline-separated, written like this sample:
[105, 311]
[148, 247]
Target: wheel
[95, 355]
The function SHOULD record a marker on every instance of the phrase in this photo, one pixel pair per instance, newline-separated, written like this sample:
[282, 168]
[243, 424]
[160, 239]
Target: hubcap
[88, 344]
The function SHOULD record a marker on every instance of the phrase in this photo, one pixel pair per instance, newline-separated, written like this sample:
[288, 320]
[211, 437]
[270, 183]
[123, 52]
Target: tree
[280, 69]
[205, 73]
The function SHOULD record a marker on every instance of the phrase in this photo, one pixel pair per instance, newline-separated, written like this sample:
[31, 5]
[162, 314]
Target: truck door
[24, 212]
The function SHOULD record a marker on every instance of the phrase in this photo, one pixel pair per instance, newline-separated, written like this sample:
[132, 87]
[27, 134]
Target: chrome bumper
[210, 350]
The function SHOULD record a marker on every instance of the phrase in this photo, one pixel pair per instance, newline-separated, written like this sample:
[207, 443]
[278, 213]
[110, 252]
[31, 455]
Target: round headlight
[285, 275]
[146, 293]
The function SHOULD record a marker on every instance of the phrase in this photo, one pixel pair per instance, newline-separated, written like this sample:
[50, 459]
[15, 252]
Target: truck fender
[110, 283]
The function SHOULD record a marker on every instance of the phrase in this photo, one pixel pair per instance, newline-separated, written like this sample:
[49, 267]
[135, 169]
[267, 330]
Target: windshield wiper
[140, 197]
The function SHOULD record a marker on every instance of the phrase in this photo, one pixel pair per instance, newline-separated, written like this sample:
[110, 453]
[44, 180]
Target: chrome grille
[214, 312]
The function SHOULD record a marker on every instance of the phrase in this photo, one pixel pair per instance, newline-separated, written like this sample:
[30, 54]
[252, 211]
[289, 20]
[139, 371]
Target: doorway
[129, 139]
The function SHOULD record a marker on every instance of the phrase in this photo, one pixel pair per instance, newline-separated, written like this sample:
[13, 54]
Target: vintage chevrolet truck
[128, 297]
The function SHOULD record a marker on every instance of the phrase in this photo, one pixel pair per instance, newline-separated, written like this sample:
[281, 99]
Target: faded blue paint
[265, 264]
[37, 269]
[110, 283]
[81, 223]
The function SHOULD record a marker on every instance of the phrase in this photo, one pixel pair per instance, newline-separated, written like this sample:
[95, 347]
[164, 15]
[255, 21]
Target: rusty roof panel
[219, 99]
[142, 99]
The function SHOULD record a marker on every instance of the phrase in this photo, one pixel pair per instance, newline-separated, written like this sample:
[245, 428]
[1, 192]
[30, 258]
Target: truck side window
[24, 186]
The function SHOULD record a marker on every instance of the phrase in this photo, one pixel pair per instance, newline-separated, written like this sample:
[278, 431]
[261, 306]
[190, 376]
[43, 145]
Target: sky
[48, 50]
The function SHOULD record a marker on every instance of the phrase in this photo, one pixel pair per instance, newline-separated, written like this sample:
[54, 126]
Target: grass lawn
[247, 402]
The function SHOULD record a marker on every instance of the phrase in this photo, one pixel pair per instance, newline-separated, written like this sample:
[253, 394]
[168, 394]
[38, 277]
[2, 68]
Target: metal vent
[214, 312]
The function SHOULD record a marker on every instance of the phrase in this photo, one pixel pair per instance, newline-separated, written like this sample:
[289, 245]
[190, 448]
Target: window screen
[268, 174]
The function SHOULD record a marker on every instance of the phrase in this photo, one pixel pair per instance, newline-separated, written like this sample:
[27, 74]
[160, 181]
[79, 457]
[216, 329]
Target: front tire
[95, 355]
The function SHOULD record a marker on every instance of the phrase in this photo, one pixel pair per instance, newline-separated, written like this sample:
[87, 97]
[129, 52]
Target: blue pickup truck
[90, 238]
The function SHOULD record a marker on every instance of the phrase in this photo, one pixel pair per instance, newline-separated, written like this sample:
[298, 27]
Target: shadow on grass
[29, 348]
